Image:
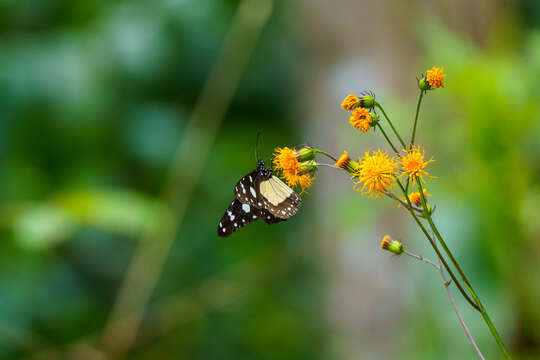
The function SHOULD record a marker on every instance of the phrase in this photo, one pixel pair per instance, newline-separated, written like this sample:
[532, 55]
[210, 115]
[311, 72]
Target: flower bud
[345, 163]
[374, 118]
[367, 101]
[423, 84]
[354, 165]
[308, 167]
[391, 245]
[306, 153]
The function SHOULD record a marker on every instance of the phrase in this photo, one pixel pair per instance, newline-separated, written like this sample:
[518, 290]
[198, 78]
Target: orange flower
[361, 119]
[286, 162]
[350, 102]
[376, 173]
[305, 182]
[413, 163]
[285, 159]
[415, 197]
[343, 160]
[435, 77]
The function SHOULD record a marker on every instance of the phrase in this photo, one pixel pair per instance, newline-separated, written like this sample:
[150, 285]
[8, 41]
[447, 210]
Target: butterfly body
[259, 194]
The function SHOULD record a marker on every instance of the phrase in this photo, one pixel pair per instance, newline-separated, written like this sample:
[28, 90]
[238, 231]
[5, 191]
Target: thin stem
[421, 258]
[479, 306]
[432, 242]
[461, 321]
[447, 288]
[391, 125]
[327, 155]
[387, 139]
[403, 202]
[416, 117]
[414, 127]
[407, 186]
[330, 166]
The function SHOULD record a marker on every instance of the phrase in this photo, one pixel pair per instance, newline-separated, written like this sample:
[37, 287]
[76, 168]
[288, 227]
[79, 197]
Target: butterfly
[259, 195]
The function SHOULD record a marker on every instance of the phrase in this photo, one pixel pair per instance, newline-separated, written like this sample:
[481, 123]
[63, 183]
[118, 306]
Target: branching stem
[416, 117]
[391, 125]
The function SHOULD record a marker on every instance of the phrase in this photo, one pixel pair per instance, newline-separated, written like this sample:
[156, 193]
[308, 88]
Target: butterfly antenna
[257, 147]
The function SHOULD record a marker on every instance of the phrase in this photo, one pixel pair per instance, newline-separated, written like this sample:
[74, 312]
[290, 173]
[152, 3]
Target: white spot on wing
[245, 207]
[252, 190]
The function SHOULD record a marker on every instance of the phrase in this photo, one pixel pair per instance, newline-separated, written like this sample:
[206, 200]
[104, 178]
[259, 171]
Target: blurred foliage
[95, 97]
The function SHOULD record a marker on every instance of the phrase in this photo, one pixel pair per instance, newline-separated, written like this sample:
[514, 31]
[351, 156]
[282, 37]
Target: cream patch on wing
[275, 190]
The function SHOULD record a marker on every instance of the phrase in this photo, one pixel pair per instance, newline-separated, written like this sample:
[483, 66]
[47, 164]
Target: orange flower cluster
[286, 161]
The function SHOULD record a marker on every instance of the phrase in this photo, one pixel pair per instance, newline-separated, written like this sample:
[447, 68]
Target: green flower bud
[346, 163]
[374, 118]
[308, 167]
[306, 153]
[423, 84]
[353, 165]
[392, 245]
[367, 101]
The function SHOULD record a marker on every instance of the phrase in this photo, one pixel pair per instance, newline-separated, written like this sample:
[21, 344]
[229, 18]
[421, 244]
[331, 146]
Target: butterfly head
[263, 170]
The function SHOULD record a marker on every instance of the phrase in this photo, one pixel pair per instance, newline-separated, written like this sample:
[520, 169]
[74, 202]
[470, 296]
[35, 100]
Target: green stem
[480, 307]
[387, 139]
[432, 242]
[404, 203]
[416, 117]
[326, 154]
[391, 125]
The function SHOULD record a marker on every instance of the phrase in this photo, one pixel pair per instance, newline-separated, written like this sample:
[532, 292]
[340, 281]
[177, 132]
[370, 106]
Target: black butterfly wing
[247, 190]
[236, 216]
[269, 218]
[279, 200]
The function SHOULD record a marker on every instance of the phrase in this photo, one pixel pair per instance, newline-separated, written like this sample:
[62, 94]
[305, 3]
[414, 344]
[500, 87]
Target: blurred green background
[125, 125]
